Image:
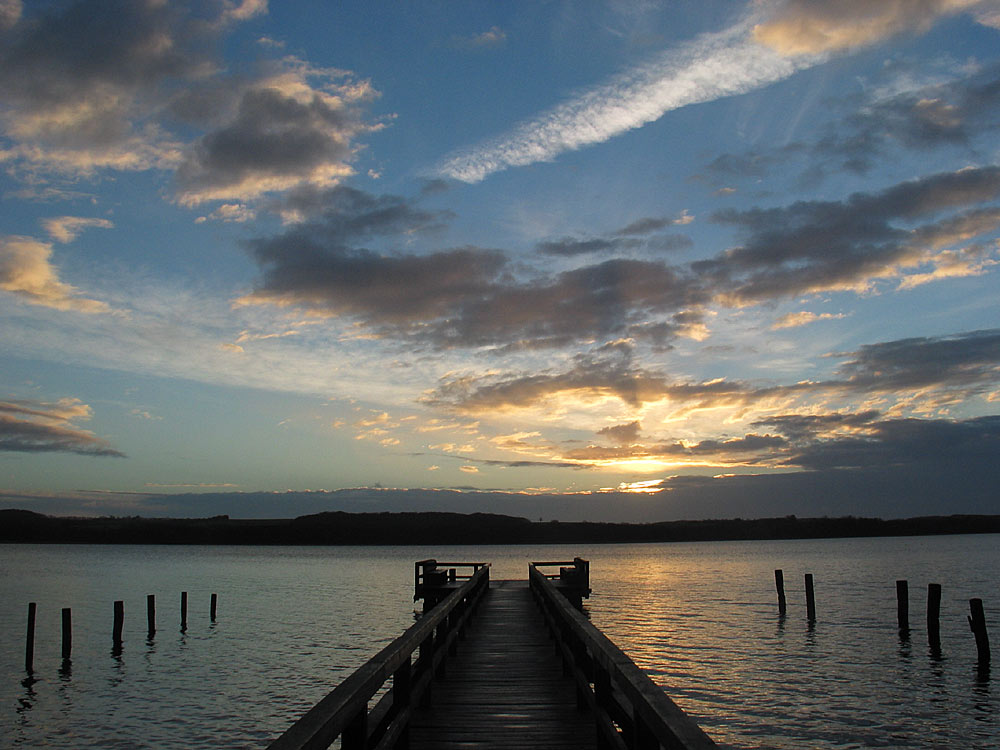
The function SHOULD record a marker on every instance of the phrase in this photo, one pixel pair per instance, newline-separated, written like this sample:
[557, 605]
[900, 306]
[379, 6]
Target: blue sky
[610, 260]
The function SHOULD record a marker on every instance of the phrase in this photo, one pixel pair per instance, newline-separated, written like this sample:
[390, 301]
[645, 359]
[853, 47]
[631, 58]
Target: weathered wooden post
[810, 599]
[779, 584]
[212, 608]
[184, 611]
[119, 624]
[977, 622]
[29, 644]
[903, 606]
[67, 633]
[934, 615]
[151, 614]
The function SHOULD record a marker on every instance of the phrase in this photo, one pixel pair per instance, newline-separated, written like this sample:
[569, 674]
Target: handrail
[630, 709]
[344, 712]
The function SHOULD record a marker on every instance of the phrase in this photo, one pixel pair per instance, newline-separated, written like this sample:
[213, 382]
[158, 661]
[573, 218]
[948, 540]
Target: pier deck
[508, 691]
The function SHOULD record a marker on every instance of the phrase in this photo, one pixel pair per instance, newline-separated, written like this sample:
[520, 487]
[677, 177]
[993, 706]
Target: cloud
[809, 27]
[642, 234]
[458, 297]
[901, 443]
[801, 318]
[489, 39]
[285, 131]
[80, 85]
[10, 13]
[231, 213]
[26, 271]
[710, 67]
[622, 434]
[952, 110]
[68, 228]
[112, 84]
[908, 234]
[849, 245]
[946, 368]
[39, 426]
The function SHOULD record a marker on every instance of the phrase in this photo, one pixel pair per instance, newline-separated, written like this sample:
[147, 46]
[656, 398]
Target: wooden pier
[507, 664]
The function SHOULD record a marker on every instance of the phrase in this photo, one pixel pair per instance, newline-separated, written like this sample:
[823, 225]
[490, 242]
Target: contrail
[709, 67]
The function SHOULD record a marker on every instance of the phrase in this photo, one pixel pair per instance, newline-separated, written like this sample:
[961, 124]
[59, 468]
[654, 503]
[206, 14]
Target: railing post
[401, 682]
[642, 736]
[355, 734]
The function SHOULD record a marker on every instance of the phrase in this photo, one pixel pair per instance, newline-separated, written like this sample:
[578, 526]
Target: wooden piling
[810, 599]
[215, 602]
[903, 606]
[934, 615]
[119, 624]
[184, 611]
[67, 633]
[977, 622]
[779, 584]
[29, 644]
[151, 614]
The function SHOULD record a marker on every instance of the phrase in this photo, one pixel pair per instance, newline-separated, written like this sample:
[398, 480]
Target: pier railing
[345, 712]
[631, 711]
[433, 580]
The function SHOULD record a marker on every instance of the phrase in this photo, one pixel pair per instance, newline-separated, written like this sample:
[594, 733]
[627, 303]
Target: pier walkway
[507, 689]
[507, 664]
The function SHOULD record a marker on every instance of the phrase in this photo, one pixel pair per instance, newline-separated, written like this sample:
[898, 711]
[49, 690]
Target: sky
[615, 260]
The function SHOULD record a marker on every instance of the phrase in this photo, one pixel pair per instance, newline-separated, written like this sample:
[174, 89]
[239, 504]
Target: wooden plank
[504, 688]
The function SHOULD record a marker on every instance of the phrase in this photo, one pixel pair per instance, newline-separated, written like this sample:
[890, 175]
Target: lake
[700, 618]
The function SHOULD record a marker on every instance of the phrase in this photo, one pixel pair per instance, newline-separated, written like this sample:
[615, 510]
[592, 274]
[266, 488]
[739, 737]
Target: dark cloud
[644, 226]
[825, 245]
[947, 367]
[459, 297]
[622, 434]
[80, 82]
[568, 246]
[969, 361]
[37, 427]
[957, 113]
[739, 450]
[902, 443]
[282, 134]
[474, 297]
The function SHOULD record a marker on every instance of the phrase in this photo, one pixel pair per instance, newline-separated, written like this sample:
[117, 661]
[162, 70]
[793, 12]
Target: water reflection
[27, 701]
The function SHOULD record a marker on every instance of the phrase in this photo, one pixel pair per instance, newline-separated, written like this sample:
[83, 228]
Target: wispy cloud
[746, 56]
[712, 66]
[68, 228]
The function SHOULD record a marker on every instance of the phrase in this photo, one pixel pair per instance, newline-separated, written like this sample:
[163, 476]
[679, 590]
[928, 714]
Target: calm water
[700, 618]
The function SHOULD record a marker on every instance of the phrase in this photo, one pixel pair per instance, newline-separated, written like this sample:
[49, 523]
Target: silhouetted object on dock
[934, 616]
[29, 644]
[810, 599]
[572, 581]
[977, 622]
[779, 584]
[434, 581]
[903, 608]
[506, 686]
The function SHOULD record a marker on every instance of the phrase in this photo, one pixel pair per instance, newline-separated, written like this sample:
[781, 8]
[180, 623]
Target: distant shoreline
[343, 529]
